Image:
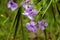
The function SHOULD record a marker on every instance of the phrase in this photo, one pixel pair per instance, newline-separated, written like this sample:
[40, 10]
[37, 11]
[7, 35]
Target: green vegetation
[12, 23]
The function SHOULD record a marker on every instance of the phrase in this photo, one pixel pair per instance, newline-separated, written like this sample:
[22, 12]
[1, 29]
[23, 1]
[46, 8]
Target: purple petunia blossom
[31, 26]
[42, 24]
[29, 9]
[26, 5]
[30, 13]
[12, 5]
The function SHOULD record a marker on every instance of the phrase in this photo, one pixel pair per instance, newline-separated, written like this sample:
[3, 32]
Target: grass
[13, 27]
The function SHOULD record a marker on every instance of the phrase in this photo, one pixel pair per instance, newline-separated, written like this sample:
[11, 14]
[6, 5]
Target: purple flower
[12, 5]
[31, 26]
[26, 5]
[42, 24]
[29, 9]
[30, 13]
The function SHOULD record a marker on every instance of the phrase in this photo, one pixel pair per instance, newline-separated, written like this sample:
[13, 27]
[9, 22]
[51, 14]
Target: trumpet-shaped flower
[30, 13]
[42, 24]
[26, 5]
[31, 26]
[12, 5]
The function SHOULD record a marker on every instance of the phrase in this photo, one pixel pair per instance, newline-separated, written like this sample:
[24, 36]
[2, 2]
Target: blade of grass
[17, 18]
[24, 33]
[47, 8]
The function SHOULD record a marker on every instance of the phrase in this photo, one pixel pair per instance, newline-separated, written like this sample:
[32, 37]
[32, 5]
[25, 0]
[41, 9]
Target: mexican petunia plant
[30, 17]
[30, 12]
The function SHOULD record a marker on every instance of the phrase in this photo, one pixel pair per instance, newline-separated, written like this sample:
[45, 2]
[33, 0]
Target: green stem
[5, 20]
[17, 24]
[47, 8]
[45, 34]
[12, 24]
[24, 33]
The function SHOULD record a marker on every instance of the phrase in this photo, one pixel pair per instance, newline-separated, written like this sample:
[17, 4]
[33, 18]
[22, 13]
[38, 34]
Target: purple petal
[29, 9]
[26, 5]
[33, 23]
[25, 13]
[35, 11]
[31, 26]
[32, 13]
[46, 24]
[12, 5]
[41, 25]
[30, 17]
[9, 5]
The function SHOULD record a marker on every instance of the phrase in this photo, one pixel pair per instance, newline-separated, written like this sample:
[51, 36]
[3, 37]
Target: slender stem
[5, 20]
[24, 36]
[45, 34]
[47, 8]
[53, 13]
[17, 18]
[22, 28]
[40, 10]
[20, 18]
[43, 17]
[12, 25]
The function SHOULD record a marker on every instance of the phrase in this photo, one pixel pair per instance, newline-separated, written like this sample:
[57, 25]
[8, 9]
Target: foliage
[13, 23]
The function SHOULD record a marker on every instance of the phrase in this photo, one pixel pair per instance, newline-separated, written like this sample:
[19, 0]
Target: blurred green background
[48, 9]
